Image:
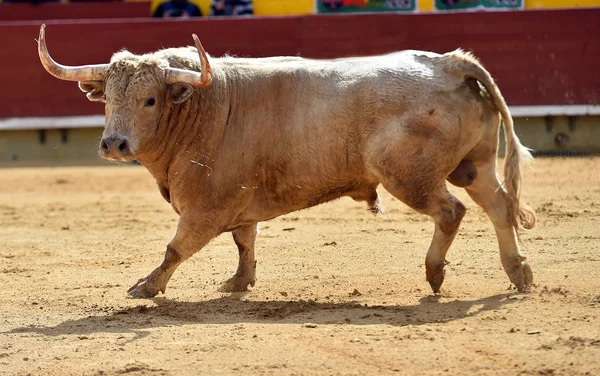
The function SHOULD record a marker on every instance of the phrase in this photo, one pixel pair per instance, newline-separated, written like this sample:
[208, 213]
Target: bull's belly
[265, 205]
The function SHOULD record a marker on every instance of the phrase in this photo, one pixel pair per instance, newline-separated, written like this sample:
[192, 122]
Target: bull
[233, 141]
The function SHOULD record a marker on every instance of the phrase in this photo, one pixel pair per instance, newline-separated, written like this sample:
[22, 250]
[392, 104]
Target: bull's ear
[94, 90]
[180, 92]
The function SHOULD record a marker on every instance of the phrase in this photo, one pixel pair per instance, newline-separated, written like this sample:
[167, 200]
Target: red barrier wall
[537, 57]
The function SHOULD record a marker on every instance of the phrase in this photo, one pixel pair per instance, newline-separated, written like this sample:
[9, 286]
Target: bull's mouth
[123, 158]
[116, 157]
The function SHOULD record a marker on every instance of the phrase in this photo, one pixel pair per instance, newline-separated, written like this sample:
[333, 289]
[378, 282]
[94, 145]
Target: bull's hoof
[522, 276]
[237, 284]
[143, 289]
[435, 276]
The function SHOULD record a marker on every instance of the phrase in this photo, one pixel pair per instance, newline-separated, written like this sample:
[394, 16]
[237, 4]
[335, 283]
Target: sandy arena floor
[338, 292]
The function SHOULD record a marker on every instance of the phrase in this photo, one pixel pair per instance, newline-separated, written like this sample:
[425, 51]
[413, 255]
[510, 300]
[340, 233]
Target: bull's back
[304, 123]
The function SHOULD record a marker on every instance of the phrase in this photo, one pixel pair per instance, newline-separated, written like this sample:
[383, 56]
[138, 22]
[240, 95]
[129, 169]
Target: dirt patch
[338, 291]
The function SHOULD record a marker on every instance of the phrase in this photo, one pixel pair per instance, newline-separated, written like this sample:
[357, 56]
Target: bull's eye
[150, 102]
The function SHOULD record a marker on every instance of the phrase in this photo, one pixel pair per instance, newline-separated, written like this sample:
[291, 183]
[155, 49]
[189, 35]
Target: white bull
[233, 142]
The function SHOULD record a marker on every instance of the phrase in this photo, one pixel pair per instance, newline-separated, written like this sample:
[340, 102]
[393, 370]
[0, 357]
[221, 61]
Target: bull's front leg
[190, 237]
[246, 272]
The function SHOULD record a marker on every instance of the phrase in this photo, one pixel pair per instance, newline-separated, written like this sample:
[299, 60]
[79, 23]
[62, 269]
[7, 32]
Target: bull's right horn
[80, 73]
[199, 80]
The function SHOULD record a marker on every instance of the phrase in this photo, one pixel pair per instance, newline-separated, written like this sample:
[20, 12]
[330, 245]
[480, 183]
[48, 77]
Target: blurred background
[544, 55]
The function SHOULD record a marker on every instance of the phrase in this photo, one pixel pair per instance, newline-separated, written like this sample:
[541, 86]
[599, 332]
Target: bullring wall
[537, 57]
[544, 59]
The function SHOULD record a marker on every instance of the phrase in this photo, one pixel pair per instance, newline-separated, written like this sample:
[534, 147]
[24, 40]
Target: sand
[338, 290]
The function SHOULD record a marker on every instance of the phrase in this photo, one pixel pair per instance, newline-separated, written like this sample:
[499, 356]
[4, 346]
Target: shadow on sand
[235, 310]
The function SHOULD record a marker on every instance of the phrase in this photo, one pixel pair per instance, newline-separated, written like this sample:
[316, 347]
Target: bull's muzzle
[115, 147]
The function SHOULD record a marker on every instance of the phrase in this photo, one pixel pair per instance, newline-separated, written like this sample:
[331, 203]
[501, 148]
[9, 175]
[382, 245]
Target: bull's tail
[516, 154]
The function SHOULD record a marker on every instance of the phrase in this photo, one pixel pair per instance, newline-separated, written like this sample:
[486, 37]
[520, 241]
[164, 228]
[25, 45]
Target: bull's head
[135, 91]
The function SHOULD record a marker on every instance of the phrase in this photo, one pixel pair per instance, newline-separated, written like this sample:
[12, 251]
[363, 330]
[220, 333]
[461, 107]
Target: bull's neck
[189, 132]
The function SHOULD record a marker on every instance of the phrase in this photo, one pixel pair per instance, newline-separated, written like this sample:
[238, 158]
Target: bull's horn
[80, 73]
[204, 78]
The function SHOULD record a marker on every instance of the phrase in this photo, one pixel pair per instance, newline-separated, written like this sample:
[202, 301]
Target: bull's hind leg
[414, 172]
[445, 209]
[447, 212]
[246, 272]
[488, 193]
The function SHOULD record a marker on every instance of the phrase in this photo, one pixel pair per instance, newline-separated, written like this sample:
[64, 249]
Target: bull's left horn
[79, 73]
[202, 79]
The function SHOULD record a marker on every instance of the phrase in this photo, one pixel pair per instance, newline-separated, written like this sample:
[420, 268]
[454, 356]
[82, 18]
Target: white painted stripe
[97, 121]
[537, 111]
[58, 122]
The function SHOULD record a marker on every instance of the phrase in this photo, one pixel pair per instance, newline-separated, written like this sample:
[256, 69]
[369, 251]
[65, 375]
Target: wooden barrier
[537, 57]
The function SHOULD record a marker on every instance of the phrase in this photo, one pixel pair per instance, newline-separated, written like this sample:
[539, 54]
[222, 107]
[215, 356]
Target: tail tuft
[527, 216]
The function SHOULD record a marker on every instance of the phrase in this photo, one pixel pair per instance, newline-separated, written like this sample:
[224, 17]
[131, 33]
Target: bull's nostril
[123, 148]
[104, 147]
